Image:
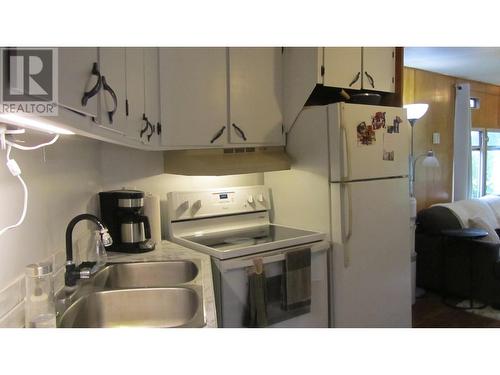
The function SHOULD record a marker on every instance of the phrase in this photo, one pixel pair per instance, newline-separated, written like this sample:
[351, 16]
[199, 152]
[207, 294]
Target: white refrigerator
[349, 178]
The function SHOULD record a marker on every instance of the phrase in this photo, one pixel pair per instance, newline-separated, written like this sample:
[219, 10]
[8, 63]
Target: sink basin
[146, 275]
[146, 307]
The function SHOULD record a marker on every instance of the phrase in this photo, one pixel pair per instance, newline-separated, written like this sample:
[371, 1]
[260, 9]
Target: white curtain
[462, 184]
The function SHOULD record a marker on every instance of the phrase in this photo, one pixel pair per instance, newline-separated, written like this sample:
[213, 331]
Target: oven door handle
[232, 264]
[244, 263]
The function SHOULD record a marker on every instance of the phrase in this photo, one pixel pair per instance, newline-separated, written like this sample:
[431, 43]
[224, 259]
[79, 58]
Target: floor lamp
[414, 113]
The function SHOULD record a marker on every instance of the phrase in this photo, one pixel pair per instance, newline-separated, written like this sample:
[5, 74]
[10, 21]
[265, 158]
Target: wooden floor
[430, 312]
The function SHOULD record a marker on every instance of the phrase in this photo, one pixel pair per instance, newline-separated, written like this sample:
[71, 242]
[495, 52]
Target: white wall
[125, 167]
[63, 181]
[142, 170]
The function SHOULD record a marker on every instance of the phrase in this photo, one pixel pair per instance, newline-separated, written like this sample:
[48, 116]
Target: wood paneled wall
[437, 90]
[487, 115]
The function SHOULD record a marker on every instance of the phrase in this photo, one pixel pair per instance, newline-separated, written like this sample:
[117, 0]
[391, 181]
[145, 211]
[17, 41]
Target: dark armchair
[429, 247]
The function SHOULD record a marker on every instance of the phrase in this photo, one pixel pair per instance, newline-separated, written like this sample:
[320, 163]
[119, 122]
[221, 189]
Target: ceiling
[474, 63]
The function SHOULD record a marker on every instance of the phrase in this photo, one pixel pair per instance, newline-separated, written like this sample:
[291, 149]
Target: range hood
[222, 162]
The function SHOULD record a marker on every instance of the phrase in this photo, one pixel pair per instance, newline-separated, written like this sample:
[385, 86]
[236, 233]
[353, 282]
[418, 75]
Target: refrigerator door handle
[345, 155]
[347, 226]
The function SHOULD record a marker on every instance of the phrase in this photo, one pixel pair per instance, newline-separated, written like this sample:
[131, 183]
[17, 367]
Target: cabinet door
[112, 64]
[342, 67]
[379, 68]
[193, 92]
[255, 89]
[152, 91]
[76, 77]
[134, 65]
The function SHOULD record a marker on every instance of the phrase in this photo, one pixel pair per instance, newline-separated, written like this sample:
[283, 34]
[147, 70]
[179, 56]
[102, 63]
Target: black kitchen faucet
[83, 271]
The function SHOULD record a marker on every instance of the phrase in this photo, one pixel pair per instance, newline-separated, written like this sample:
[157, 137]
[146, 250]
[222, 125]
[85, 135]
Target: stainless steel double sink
[142, 294]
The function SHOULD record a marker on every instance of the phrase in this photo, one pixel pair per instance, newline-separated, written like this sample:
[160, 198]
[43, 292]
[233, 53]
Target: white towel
[152, 211]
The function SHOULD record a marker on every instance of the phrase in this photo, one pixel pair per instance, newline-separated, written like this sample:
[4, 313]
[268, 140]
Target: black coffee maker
[122, 211]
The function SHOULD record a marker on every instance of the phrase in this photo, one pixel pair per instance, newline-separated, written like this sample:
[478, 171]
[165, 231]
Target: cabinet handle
[370, 79]
[240, 132]
[94, 90]
[355, 79]
[152, 132]
[147, 126]
[218, 134]
[108, 88]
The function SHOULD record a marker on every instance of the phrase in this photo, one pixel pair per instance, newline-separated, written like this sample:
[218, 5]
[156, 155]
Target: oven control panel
[184, 205]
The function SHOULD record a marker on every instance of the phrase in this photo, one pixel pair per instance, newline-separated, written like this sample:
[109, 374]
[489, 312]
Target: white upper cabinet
[255, 91]
[176, 98]
[112, 111]
[342, 67]
[308, 70]
[79, 79]
[193, 92]
[134, 99]
[120, 93]
[142, 94]
[195, 84]
[368, 68]
[379, 68]
[152, 94]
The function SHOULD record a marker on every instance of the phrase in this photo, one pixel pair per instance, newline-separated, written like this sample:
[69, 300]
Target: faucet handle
[85, 273]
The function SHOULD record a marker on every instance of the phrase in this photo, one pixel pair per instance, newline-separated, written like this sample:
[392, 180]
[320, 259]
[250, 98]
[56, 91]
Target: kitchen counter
[170, 251]
[165, 251]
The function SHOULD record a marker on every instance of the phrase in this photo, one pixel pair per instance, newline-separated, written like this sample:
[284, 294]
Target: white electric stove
[233, 226]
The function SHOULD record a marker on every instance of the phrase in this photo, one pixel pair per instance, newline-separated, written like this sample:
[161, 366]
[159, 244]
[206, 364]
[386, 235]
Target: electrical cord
[29, 148]
[15, 170]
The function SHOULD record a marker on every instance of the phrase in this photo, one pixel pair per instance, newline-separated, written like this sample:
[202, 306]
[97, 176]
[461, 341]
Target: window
[485, 145]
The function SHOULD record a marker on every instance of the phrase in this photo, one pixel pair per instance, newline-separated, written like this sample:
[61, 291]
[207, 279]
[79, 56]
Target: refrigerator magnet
[378, 120]
[395, 124]
[389, 144]
[388, 155]
[366, 134]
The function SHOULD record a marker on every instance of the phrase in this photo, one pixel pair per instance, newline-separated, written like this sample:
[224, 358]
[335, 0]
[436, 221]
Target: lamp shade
[430, 161]
[416, 111]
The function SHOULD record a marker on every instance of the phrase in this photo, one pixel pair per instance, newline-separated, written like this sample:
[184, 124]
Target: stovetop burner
[246, 237]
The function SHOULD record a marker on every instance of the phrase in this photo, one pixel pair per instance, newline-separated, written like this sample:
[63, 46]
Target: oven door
[231, 286]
